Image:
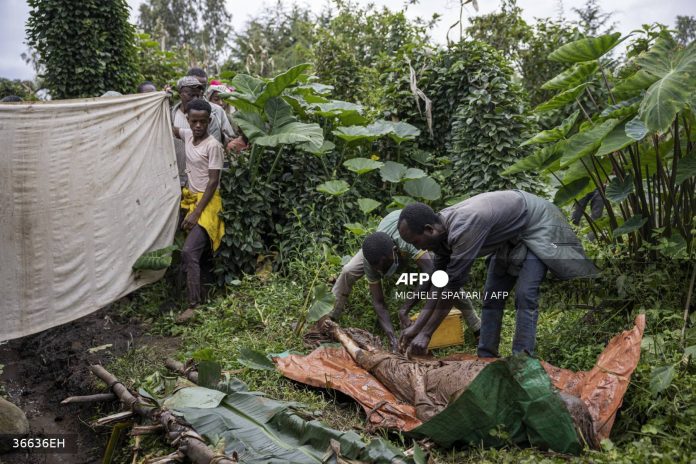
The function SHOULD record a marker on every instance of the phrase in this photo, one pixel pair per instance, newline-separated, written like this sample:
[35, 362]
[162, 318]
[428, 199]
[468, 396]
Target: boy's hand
[190, 221]
[236, 145]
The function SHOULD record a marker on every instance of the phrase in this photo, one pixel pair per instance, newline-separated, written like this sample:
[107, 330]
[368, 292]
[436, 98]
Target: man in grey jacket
[523, 235]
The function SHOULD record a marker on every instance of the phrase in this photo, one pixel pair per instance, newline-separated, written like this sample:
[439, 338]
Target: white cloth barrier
[86, 187]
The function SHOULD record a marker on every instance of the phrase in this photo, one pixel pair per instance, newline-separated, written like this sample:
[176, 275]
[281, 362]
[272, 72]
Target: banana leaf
[264, 430]
[155, 260]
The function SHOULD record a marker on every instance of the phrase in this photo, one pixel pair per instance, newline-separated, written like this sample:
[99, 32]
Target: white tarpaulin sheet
[86, 187]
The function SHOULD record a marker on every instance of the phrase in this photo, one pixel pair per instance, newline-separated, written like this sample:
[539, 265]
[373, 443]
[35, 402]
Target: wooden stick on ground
[89, 398]
[183, 436]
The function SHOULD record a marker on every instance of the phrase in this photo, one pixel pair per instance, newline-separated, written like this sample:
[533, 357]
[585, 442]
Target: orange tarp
[602, 388]
[332, 367]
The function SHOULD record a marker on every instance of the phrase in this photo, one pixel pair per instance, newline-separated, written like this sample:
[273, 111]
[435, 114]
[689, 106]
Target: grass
[261, 314]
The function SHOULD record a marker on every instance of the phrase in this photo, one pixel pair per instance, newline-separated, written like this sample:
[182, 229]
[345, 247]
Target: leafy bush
[479, 118]
[85, 48]
[310, 174]
[489, 124]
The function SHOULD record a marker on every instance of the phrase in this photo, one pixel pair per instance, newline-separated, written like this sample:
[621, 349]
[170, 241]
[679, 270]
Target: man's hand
[190, 221]
[404, 320]
[419, 345]
[406, 337]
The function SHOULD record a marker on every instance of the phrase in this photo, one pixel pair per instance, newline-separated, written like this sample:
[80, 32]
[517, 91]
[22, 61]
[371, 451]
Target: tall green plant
[637, 150]
[85, 47]
[479, 117]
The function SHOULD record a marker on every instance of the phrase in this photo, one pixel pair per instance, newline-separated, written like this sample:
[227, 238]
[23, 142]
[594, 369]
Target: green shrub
[488, 126]
[85, 48]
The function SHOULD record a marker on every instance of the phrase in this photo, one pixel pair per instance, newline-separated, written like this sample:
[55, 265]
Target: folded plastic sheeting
[513, 394]
[86, 187]
[509, 401]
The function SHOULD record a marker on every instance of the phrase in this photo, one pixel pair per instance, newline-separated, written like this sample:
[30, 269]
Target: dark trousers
[526, 305]
[194, 256]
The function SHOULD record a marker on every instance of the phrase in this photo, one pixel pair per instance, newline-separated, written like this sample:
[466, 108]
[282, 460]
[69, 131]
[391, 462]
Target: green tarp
[510, 401]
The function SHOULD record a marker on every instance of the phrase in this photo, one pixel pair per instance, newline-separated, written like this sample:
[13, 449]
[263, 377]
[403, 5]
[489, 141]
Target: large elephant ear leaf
[310, 136]
[251, 124]
[619, 190]
[631, 225]
[573, 190]
[686, 169]
[586, 142]
[425, 188]
[278, 112]
[284, 128]
[614, 141]
[281, 82]
[587, 49]
[557, 133]
[572, 77]
[676, 70]
[322, 303]
[249, 86]
[241, 102]
[561, 100]
[538, 161]
[633, 85]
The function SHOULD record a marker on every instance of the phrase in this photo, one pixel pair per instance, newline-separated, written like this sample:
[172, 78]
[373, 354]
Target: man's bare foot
[186, 316]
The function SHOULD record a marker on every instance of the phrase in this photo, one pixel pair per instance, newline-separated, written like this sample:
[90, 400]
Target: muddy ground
[43, 369]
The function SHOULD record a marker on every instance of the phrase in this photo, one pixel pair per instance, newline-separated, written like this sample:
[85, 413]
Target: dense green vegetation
[84, 48]
[316, 162]
[354, 113]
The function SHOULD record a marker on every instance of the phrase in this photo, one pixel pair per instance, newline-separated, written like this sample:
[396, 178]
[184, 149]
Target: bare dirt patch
[43, 369]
